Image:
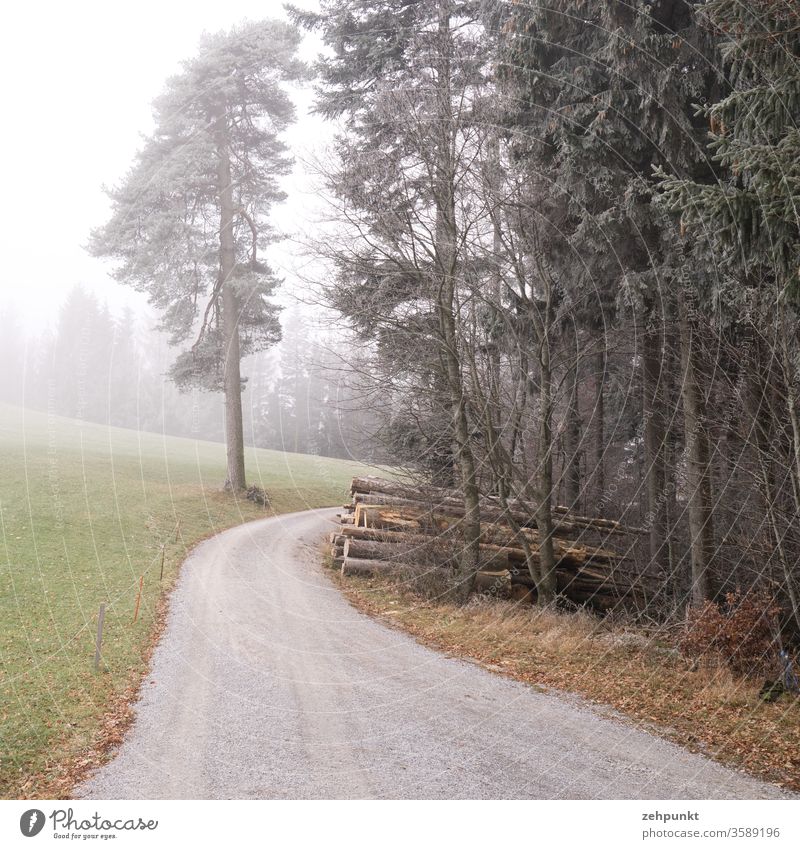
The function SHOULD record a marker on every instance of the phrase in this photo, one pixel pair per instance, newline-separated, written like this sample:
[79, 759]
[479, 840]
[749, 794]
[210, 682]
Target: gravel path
[268, 684]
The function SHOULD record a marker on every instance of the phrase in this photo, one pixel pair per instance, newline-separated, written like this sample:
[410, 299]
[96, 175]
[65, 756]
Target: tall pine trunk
[232, 379]
[600, 430]
[698, 466]
[572, 435]
[763, 442]
[655, 439]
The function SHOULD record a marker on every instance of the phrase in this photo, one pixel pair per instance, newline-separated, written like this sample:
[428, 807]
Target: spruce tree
[748, 218]
[750, 215]
[404, 78]
[597, 96]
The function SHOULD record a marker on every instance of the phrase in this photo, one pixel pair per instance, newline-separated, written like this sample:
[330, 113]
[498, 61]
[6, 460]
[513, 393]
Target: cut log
[492, 561]
[387, 519]
[571, 559]
[403, 517]
[390, 519]
[382, 535]
[574, 570]
[495, 583]
[369, 485]
[354, 566]
[363, 549]
[525, 595]
[567, 526]
[387, 498]
[522, 579]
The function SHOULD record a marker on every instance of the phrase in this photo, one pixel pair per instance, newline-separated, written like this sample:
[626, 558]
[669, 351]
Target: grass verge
[85, 513]
[634, 671]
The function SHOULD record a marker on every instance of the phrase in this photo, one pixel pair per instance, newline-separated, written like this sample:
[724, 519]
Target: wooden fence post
[99, 639]
[138, 599]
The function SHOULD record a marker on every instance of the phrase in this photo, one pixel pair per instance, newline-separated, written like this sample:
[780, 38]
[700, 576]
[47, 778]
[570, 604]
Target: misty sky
[78, 81]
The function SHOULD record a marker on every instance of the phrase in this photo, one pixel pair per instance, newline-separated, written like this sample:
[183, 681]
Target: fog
[83, 79]
[97, 365]
[75, 341]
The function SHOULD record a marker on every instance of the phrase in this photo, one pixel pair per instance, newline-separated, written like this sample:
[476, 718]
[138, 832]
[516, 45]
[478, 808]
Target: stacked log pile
[389, 525]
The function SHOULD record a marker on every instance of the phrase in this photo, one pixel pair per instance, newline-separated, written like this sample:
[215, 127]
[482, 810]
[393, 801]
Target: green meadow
[85, 514]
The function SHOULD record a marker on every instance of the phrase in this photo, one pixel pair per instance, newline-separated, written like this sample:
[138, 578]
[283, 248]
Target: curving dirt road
[268, 684]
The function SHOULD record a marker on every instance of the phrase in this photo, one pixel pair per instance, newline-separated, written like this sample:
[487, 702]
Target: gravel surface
[268, 684]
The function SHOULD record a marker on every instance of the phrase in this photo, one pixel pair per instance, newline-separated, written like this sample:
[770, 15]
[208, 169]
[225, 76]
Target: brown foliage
[741, 632]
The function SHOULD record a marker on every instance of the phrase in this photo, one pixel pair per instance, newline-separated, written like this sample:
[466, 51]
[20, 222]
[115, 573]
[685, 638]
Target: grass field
[84, 513]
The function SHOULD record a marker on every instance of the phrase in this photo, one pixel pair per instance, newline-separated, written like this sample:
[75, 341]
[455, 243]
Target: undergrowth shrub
[740, 632]
[430, 568]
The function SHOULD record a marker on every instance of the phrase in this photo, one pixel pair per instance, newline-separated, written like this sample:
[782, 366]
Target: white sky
[77, 82]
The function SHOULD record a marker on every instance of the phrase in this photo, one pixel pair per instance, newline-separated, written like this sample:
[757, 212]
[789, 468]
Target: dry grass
[635, 671]
[717, 683]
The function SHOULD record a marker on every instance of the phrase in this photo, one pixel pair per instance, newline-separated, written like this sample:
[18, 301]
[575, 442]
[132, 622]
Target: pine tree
[190, 218]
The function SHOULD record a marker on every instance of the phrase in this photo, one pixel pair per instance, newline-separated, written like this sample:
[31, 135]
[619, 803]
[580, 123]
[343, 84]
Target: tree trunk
[470, 558]
[785, 332]
[442, 457]
[762, 443]
[655, 438]
[447, 263]
[572, 437]
[672, 451]
[698, 470]
[232, 381]
[600, 431]
[789, 376]
[546, 585]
